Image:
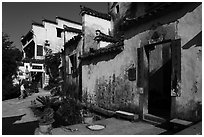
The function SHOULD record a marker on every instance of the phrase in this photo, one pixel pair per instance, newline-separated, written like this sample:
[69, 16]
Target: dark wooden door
[159, 79]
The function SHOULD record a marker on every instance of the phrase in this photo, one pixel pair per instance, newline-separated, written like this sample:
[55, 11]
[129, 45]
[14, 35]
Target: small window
[36, 67]
[59, 32]
[117, 9]
[39, 50]
[73, 68]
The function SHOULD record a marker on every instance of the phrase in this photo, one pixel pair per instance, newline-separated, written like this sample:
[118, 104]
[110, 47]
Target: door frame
[143, 72]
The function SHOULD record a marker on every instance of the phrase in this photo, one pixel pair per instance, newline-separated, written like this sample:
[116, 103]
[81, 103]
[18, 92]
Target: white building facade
[48, 35]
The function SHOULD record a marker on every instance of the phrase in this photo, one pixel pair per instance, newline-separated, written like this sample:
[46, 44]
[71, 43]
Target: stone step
[127, 115]
[153, 119]
[103, 111]
[181, 122]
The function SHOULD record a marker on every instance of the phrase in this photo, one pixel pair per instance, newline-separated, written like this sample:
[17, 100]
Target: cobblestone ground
[17, 119]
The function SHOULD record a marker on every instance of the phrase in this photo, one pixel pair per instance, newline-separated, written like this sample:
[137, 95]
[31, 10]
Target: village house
[70, 63]
[143, 58]
[50, 36]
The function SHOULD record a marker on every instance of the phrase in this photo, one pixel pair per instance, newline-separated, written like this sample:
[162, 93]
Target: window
[73, 61]
[59, 32]
[39, 50]
[117, 9]
[36, 67]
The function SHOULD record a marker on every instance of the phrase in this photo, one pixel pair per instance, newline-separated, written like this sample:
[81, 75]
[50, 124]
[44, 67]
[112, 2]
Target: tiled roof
[113, 47]
[70, 29]
[150, 14]
[103, 37]
[37, 24]
[85, 10]
[50, 21]
[72, 41]
[61, 18]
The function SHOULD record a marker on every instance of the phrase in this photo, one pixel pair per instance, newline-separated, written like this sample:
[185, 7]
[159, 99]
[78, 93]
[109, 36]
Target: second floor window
[39, 50]
[59, 32]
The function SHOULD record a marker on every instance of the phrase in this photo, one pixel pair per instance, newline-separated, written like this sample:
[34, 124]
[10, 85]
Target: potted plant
[44, 114]
[45, 121]
[87, 115]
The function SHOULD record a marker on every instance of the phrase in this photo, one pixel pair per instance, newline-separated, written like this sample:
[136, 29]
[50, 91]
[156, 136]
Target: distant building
[46, 37]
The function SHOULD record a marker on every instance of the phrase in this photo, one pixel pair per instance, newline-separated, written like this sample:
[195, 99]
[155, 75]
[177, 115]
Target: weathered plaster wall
[187, 27]
[90, 25]
[106, 78]
[189, 30]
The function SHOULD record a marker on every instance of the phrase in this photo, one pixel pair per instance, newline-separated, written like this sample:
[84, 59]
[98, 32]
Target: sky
[17, 17]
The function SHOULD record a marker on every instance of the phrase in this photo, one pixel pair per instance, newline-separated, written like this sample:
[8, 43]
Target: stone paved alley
[17, 117]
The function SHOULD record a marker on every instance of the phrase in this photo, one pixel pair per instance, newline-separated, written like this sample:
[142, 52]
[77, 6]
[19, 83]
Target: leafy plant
[70, 111]
[89, 102]
[11, 57]
[55, 91]
[45, 101]
[44, 115]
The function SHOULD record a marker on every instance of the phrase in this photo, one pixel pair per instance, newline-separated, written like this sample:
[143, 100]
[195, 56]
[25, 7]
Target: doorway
[159, 79]
[37, 79]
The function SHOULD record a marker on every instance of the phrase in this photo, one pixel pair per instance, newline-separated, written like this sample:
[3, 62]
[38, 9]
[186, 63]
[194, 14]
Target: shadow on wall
[194, 111]
[101, 57]
[162, 18]
[197, 40]
[9, 128]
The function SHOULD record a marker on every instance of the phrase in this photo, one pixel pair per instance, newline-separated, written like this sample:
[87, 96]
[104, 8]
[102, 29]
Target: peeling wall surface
[106, 77]
[188, 105]
[108, 81]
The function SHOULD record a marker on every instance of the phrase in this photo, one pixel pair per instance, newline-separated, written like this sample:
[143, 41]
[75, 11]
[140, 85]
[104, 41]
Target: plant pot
[45, 129]
[88, 119]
